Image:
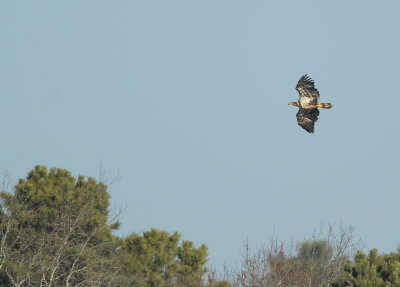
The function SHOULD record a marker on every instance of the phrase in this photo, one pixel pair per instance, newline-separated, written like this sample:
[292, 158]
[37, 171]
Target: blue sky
[187, 102]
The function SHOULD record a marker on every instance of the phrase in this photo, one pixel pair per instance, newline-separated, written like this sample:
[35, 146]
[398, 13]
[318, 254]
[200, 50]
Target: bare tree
[311, 263]
[68, 255]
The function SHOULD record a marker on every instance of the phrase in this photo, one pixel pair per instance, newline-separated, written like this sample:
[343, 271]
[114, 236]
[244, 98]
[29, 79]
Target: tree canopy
[56, 231]
[157, 258]
[372, 270]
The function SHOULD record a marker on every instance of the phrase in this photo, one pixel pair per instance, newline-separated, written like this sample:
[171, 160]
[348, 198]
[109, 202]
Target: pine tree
[373, 270]
[55, 231]
[158, 259]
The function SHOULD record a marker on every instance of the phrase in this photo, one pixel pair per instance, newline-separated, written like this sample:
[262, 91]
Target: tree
[315, 261]
[373, 270]
[312, 263]
[316, 252]
[55, 232]
[159, 259]
[45, 196]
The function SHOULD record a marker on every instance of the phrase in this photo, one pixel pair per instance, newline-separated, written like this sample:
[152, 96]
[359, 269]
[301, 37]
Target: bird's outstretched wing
[307, 92]
[306, 118]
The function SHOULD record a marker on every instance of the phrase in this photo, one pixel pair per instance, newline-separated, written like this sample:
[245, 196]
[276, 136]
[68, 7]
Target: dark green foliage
[40, 200]
[158, 259]
[373, 270]
[55, 231]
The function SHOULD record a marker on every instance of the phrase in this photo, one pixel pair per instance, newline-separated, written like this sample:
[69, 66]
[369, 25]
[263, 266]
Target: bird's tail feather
[326, 105]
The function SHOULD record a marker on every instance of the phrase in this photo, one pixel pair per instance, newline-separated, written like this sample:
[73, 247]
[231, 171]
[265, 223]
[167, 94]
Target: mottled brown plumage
[308, 104]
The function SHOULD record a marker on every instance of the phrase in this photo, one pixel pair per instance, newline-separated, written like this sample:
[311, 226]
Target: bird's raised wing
[305, 87]
[306, 118]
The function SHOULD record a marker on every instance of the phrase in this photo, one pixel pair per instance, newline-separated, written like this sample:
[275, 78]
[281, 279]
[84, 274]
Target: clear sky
[187, 102]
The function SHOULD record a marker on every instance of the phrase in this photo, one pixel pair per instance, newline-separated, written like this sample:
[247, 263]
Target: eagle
[308, 104]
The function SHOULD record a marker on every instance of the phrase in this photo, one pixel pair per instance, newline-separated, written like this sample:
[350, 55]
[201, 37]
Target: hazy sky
[187, 102]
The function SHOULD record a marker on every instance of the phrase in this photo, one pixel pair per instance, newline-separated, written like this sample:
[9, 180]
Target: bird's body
[308, 104]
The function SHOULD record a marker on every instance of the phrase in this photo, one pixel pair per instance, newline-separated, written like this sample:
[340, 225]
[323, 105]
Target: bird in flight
[308, 104]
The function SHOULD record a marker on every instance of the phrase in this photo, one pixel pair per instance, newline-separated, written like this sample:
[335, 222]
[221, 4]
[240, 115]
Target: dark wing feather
[306, 118]
[305, 87]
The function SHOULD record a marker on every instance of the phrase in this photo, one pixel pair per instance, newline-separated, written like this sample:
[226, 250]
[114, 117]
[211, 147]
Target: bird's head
[296, 104]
